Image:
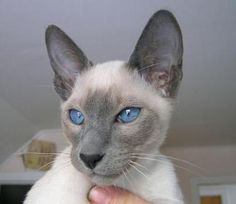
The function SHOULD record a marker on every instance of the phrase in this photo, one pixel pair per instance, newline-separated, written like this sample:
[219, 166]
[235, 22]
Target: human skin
[113, 195]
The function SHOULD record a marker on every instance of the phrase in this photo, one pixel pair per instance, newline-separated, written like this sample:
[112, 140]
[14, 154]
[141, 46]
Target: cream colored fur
[63, 184]
[127, 84]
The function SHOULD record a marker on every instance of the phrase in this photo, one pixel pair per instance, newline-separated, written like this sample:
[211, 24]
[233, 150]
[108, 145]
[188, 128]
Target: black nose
[91, 160]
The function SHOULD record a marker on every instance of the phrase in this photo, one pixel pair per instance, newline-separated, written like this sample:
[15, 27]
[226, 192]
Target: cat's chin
[98, 178]
[104, 180]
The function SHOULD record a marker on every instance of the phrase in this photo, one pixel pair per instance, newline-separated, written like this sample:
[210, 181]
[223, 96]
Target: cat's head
[116, 111]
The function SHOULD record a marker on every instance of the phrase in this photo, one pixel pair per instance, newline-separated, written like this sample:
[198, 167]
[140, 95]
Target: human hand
[113, 195]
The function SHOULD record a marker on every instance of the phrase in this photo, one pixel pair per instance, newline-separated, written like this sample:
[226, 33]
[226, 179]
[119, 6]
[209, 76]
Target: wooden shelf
[13, 171]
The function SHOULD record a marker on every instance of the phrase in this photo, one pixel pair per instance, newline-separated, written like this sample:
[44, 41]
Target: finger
[113, 195]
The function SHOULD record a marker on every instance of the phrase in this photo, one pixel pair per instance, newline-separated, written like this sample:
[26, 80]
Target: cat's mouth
[105, 175]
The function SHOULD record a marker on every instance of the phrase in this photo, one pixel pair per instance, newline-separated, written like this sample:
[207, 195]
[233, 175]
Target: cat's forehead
[100, 90]
[114, 84]
[104, 76]
[107, 80]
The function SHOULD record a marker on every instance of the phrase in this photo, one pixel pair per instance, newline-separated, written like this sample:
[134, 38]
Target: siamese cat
[115, 116]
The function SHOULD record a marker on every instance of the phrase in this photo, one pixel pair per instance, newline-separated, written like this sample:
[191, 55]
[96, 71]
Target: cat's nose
[91, 160]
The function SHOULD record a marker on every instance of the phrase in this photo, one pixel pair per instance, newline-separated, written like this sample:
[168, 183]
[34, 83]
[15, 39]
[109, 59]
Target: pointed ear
[66, 59]
[158, 53]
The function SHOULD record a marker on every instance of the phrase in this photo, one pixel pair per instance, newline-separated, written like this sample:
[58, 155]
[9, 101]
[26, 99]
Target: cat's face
[101, 95]
[114, 112]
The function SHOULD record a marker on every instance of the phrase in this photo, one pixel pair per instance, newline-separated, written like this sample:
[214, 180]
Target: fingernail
[99, 195]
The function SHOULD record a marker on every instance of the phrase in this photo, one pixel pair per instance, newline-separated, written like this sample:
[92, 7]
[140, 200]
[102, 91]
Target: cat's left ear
[158, 53]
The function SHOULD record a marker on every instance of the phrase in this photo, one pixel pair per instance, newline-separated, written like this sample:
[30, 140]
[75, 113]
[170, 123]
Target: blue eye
[76, 116]
[128, 115]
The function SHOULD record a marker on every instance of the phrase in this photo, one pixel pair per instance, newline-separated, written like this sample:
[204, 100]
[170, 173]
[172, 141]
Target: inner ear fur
[158, 53]
[66, 58]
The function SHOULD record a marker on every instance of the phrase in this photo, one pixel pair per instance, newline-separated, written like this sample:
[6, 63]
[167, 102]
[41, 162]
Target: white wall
[15, 130]
[227, 192]
[231, 193]
[215, 161]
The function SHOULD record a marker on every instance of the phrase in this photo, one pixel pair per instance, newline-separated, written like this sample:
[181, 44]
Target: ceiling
[108, 30]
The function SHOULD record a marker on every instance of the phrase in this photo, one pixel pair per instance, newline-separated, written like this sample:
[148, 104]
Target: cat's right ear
[66, 58]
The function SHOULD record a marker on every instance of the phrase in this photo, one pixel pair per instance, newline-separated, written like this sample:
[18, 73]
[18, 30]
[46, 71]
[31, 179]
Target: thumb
[113, 195]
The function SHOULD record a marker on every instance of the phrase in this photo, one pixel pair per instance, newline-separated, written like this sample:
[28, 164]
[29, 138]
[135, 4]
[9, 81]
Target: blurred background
[203, 129]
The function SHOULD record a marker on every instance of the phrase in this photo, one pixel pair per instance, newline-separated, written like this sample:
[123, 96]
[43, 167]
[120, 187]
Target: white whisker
[139, 171]
[126, 176]
[45, 165]
[149, 66]
[163, 161]
[42, 153]
[169, 157]
[62, 166]
[137, 164]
